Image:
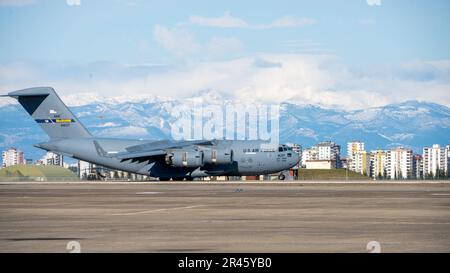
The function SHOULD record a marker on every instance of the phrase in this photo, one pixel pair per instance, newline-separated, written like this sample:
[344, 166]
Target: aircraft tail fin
[47, 109]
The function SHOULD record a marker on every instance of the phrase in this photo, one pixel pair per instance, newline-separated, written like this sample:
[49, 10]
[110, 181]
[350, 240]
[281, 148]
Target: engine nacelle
[218, 156]
[185, 158]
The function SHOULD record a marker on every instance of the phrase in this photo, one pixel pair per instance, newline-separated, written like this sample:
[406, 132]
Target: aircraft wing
[167, 144]
[139, 155]
[153, 149]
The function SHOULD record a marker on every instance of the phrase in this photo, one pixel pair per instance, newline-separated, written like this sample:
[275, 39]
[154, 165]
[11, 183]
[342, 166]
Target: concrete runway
[258, 217]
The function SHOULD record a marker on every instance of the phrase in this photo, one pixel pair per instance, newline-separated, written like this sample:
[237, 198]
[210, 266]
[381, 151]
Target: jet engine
[185, 158]
[221, 156]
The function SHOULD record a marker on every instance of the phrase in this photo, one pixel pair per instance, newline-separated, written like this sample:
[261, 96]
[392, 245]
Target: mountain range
[412, 124]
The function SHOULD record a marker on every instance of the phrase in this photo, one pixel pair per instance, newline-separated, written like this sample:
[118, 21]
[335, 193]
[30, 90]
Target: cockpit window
[283, 148]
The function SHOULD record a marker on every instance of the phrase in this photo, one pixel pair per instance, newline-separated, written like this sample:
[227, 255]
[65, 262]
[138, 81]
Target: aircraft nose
[295, 159]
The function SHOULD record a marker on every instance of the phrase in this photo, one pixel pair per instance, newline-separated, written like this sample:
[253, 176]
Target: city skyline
[395, 163]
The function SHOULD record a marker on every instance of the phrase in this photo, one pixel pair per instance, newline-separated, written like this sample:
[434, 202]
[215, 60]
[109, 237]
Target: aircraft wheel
[177, 178]
[189, 178]
[281, 177]
[164, 178]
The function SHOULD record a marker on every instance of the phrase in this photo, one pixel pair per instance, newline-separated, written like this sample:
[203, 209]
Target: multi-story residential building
[320, 164]
[309, 154]
[358, 158]
[11, 157]
[447, 148]
[418, 166]
[52, 159]
[360, 162]
[324, 151]
[329, 150]
[378, 162]
[435, 161]
[399, 163]
[353, 147]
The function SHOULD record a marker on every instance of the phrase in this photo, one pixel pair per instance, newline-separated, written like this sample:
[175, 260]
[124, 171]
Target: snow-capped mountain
[412, 124]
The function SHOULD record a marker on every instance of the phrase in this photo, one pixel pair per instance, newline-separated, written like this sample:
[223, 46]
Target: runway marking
[156, 210]
[148, 192]
[440, 194]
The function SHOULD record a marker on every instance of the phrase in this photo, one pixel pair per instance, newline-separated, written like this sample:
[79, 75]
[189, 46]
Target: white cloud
[181, 43]
[73, 2]
[374, 2]
[229, 21]
[225, 21]
[177, 40]
[298, 78]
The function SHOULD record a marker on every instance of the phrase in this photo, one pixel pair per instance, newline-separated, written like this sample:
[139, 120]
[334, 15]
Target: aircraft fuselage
[248, 157]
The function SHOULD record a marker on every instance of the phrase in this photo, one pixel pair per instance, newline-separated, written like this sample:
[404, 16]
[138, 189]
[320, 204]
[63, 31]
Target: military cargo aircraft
[163, 159]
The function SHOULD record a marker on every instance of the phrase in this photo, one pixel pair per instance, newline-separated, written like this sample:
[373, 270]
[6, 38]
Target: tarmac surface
[219, 217]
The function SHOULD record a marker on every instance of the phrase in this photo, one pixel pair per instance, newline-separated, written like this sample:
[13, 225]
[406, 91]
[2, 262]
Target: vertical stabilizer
[47, 109]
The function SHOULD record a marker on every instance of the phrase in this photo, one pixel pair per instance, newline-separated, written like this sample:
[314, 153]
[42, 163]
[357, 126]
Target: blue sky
[383, 51]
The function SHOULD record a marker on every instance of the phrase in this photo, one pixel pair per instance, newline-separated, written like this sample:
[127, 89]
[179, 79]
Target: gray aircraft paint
[69, 137]
[47, 109]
